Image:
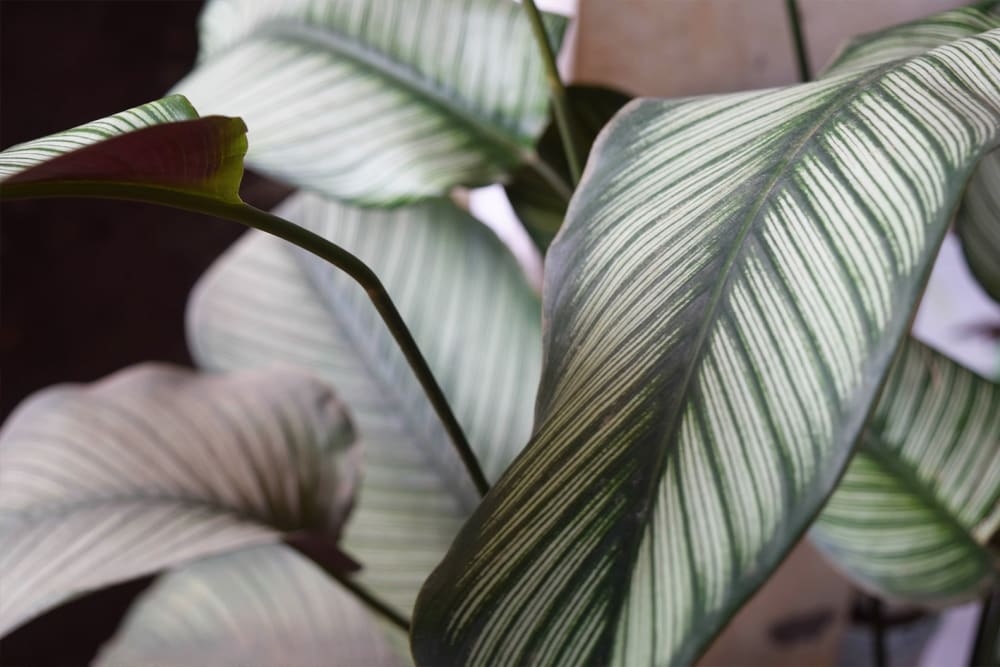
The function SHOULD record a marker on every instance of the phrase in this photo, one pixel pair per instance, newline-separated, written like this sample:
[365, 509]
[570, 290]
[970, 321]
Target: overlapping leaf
[978, 219]
[155, 466]
[375, 102]
[722, 304]
[476, 321]
[921, 498]
[162, 145]
[264, 605]
[919, 529]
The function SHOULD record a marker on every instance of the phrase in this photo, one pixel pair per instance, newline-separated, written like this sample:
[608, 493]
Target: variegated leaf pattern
[914, 38]
[473, 315]
[262, 606]
[162, 144]
[155, 466]
[912, 517]
[721, 306]
[376, 102]
[978, 219]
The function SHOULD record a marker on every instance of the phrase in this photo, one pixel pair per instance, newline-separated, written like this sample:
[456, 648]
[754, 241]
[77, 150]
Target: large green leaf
[475, 318]
[265, 605]
[155, 466]
[162, 146]
[722, 304]
[376, 102]
[921, 498]
[899, 526]
[978, 219]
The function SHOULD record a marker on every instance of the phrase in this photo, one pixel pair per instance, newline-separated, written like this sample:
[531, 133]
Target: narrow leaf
[912, 517]
[265, 605]
[375, 102]
[722, 304]
[162, 145]
[155, 466]
[471, 311]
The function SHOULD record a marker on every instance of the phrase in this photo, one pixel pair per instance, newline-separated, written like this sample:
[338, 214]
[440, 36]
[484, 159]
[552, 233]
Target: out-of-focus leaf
[473, 315]
[722, 304]
[376, 103]
[261, 606]
[155, 466]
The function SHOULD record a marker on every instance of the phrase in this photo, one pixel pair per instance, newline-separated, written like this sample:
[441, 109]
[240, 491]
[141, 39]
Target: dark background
[88, 287]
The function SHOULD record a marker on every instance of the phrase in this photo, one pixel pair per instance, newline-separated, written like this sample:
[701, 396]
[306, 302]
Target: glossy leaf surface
[722, 305]
[375, 102]
[155, 466]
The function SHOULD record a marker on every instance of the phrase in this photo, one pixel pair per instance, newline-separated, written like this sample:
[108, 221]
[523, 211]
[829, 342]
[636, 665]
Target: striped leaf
[722, 304]
[474, 317]
[155, 466]
[162, 145]
[921, 498]
[539, 205]
[375, 102]
[978, 219]
[264, 605]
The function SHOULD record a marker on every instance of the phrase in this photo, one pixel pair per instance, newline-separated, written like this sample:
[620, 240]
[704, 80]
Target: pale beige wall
[668, 48]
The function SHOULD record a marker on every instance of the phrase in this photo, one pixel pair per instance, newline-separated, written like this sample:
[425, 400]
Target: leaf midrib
[670, 424]
[328, 39]
[739, 246]
[905, 474]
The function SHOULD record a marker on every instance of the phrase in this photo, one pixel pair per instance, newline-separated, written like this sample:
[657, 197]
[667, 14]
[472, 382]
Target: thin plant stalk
[379, 297]
[877, 620]
[245, 214]
[986, 642]
[801, 56]
[560, 106]
[372, 601]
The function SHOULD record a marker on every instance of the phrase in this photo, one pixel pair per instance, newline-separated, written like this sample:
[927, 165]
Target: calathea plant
[602, 476]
